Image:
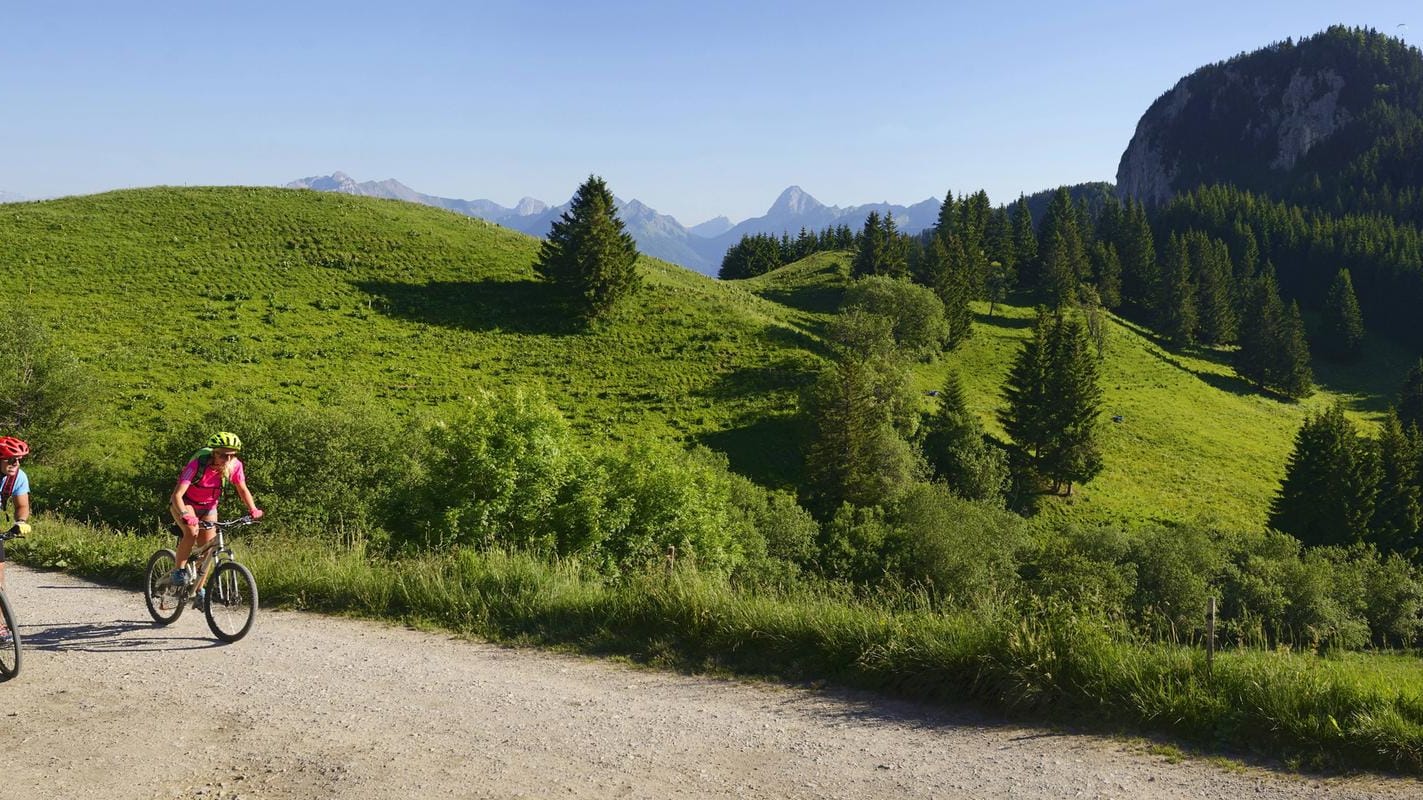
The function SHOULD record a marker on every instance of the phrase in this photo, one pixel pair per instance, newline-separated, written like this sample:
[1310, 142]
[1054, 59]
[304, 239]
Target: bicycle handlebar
[10, 534]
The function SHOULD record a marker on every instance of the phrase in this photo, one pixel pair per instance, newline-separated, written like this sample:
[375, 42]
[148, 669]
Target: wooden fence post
[1210, 641]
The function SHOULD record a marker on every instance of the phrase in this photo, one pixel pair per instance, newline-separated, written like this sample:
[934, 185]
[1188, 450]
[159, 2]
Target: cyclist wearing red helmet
[14, 483]
[199, 487]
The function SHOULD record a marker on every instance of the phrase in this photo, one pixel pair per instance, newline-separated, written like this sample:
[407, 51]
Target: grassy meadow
[181, 302]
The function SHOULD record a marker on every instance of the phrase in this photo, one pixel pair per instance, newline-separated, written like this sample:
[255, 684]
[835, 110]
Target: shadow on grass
[767, 451]
[513, 306]
[814, 299]
[1000, 321]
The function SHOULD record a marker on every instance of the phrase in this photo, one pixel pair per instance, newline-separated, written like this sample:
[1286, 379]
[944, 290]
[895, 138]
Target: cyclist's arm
[246, 495]
[22, 507]
[179, 507]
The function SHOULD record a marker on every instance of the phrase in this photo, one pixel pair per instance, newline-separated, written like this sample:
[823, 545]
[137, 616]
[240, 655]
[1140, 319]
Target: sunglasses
[220, 454]
[9, 460]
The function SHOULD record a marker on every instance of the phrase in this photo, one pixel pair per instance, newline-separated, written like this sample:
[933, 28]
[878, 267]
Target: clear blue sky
[697, 109]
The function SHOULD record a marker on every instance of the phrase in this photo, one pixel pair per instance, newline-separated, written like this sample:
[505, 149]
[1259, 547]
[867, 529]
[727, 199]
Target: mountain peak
[794, 200]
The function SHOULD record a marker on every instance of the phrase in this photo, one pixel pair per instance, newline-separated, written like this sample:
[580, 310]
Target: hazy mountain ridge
[699, 248]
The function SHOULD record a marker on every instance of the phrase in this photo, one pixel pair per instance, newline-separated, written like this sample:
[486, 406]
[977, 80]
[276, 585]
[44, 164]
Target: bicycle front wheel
[9, 641]
[231, 606]
[165, 601]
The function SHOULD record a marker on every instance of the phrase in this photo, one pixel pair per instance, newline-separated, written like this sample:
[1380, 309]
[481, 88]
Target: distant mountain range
[699, 248]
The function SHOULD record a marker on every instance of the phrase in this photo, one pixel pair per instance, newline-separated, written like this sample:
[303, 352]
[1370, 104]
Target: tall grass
[1050, 664]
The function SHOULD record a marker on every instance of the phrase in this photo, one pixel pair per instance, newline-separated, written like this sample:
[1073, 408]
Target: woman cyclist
[198, 490]
[14, 483]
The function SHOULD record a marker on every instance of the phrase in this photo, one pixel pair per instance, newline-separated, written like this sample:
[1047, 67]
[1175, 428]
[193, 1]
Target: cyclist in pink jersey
[199, 488]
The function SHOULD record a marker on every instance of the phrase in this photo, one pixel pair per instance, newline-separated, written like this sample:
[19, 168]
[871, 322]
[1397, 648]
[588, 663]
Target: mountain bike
[10, 637]
[224, 589]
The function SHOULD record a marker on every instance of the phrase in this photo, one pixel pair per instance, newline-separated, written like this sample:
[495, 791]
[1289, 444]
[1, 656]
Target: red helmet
[10, 447]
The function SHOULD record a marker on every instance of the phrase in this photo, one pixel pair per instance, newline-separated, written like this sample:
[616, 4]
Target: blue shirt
[22, 484]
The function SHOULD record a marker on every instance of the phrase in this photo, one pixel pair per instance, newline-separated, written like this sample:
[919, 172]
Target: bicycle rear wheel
[9, 647]
[165, 602]
[231, 601]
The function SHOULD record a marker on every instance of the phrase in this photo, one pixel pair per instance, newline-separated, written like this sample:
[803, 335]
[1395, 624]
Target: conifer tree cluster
[1340, 488]
[759, 253]
[1053, 399]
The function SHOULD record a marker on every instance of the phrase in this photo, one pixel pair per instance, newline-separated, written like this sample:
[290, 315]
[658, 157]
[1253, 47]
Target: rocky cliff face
[1249, 121]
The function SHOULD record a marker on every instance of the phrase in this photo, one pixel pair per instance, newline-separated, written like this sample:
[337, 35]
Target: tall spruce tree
[1053, 399]
[1397, 511]
[1330, 484]
[1025, 245]
[1177, 307]
[951, 284]
[1211, 274]
[1410, 398]
[1107, 273]
[1075, 398]
[1061, 248]
[955, 447]
[1295, 377]
[589, 256]
[1341, 329]
[1141, 277]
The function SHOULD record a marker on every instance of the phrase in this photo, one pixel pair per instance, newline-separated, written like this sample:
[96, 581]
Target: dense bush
[331, 471]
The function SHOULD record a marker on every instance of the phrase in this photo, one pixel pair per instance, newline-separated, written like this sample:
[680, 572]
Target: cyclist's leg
[2, 565]
[194, 534]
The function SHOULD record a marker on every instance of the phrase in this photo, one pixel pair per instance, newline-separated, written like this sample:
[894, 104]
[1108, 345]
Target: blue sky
[697, 109]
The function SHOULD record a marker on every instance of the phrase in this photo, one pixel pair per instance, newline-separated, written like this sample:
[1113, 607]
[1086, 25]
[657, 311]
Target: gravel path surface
[109, 705]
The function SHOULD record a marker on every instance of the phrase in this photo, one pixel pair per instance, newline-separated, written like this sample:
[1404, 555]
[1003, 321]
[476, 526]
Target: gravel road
[109, 705]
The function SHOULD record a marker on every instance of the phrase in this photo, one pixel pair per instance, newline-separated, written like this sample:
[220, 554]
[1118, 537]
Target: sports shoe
[179, 578]
[5, 636]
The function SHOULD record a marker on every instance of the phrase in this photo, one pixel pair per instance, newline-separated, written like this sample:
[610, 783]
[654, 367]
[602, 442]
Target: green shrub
[335, 472]
[961, 551]
[1081, 568]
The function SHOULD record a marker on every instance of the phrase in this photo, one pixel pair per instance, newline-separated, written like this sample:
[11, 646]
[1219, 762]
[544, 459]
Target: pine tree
[871, 248]
[1059, 278]
[1295, 378]
[1060, 245]
[1141, 278]
[882, 250]
[1330, 485]
[1053, 400]
[952, 287]
[1025, 416]
[1211, 273]
[588, 256]
[1410, 398]
[1025, 245]
[955, 447]
[1397, 512]
[1107, 271]
[1177, 306]
[1074, 401]
[1341, 333]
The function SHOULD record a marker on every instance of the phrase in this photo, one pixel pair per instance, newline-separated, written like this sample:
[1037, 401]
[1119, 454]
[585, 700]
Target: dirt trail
[109, 705]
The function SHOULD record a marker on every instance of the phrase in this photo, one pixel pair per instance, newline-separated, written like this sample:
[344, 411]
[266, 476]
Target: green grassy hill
[184, 299]
[1194, 441]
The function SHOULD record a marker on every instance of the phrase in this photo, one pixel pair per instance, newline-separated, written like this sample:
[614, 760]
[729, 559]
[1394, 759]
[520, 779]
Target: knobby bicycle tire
[164, 604]
[231, 605]
[9, 651]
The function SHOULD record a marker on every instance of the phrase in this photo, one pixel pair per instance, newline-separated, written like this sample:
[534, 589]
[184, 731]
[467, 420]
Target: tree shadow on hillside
[767, 451]
[1000, 321]
[513, 306]
[814, 299]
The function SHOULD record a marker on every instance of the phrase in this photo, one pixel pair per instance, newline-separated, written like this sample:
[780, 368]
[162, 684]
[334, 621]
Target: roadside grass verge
[1358, 711]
